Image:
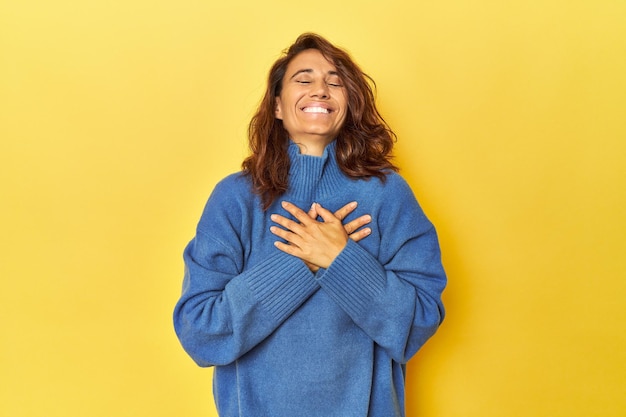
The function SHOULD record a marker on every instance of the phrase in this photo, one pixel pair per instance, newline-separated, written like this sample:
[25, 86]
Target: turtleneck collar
[313, 178]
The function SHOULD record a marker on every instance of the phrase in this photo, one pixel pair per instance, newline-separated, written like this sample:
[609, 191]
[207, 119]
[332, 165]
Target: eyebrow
[309, 71]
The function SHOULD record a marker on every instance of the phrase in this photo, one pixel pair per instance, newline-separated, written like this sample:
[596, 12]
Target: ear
[278, 112]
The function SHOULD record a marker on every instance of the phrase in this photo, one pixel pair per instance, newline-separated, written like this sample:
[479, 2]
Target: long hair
[363, 145]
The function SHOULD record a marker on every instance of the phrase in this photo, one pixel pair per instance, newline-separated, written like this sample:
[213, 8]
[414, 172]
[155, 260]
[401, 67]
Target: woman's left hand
[316, 243]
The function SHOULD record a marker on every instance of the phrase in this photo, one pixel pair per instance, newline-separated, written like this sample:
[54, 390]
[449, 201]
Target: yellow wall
[117, 118]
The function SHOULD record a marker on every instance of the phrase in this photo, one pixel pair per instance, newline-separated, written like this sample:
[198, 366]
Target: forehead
[310, 59]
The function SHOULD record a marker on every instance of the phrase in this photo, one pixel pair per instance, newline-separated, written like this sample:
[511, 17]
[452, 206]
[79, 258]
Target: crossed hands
[318, 243]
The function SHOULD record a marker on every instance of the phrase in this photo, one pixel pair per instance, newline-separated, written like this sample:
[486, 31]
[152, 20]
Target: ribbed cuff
[354, 279]
[281, 283]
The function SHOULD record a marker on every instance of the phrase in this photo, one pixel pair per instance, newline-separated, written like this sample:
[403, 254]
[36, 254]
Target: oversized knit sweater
[287, 342]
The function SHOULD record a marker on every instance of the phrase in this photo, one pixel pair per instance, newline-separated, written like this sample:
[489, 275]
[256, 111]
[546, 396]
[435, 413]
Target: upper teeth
[315, 110]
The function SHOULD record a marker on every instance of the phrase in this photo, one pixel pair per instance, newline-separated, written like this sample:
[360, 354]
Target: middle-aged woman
[314, 275]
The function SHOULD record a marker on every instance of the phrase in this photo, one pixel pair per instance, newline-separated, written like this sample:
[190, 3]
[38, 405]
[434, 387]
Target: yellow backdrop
[117, 118]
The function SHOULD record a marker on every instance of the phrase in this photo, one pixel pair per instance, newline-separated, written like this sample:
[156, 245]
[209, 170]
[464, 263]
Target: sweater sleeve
[394, 297]
[226, 309]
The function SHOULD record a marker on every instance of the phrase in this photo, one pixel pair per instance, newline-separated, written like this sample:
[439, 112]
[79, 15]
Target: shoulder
[397, 204]
[234, 187]
[230, 197]
[237, 181]
[393, 188]
[396, 183]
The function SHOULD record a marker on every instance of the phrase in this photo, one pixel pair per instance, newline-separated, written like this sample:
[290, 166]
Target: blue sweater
[286, 342]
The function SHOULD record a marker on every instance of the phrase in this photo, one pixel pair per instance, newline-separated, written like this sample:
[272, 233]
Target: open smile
[314, 109]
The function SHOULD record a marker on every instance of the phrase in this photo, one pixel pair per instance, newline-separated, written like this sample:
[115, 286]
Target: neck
[312, 147]
[312, 177]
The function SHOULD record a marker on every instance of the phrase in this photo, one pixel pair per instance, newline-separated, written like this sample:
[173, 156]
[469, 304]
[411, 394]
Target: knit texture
[286, 342]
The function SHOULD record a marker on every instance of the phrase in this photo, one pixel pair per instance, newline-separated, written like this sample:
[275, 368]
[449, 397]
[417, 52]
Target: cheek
[344, 112]
[343, 103]
[346, 105]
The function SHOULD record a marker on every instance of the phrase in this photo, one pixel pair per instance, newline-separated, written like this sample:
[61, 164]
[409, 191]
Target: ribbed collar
[313, 178]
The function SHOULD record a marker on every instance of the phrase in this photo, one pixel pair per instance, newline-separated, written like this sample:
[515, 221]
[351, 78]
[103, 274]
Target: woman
[314, 275]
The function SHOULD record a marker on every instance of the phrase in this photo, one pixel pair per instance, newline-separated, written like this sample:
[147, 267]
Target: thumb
[327, 215]
[313, 212]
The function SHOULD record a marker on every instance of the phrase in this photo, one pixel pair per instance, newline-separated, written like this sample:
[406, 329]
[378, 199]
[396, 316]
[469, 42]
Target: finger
[355, 224]
[286, 235]
[343, 212]
[296, 212]
[290, 249]
[360, 234]
[312, 212]
[328, 216]
[286, 223]
[282, 233]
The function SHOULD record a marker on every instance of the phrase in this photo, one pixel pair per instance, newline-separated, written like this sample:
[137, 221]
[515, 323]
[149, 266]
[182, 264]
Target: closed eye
[334, 80]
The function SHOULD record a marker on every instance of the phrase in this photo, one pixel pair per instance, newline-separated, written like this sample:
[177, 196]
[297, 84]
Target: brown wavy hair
[363, 145]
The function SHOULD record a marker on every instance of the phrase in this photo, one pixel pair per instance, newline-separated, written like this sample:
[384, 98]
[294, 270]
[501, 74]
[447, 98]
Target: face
[313, 101]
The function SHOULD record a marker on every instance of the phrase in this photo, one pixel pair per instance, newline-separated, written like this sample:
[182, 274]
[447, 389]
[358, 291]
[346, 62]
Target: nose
[319, 89]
